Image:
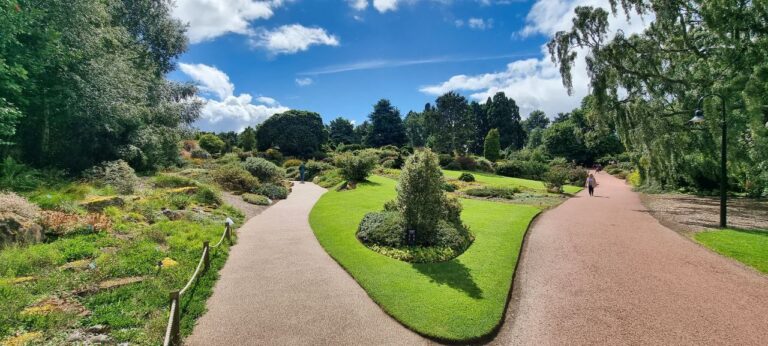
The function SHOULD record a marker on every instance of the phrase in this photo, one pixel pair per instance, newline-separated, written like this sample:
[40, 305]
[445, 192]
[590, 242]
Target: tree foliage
[450, 124]
[386, 126]
[211, 143]
[504, 114]
[247, 139]
[295, 133]
[649, 84]
[415, 129]
[341, 131]
[492, 145]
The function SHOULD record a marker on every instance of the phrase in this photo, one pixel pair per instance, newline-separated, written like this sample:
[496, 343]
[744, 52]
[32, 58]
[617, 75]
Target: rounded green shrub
[211, 143]
[117, 174]
[292, 163]
[467, 177]
[522, 169]
[272, 191]
[234, 178]
[355, 167]
[263, 169]
[555, 178]
[382, 228]
[172, 181]
[256, 199]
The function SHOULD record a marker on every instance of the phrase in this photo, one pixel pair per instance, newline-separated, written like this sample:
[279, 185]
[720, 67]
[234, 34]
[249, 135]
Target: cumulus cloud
[358, 5]
[290, 39]
[304, 81]
[225, 111]
[385, 5]
[536, 83]
[209, 19]
[480, 23]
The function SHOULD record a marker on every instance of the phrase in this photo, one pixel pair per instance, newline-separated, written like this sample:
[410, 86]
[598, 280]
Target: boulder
[15, 228]
[98, 203]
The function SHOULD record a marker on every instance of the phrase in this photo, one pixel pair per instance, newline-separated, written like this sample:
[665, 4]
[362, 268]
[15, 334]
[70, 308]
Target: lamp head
[698, 117]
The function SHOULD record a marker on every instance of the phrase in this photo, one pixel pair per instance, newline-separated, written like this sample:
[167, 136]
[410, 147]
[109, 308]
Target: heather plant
[263, 169]
[117, 174]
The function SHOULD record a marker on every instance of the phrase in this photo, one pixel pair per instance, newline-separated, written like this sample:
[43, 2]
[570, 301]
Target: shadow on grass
[452, 273]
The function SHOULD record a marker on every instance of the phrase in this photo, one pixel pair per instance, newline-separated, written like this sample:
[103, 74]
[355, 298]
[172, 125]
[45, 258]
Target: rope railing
[172, 331]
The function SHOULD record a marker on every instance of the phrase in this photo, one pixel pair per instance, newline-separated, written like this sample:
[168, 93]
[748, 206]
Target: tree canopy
[386, 126]
[295, 133]
[341, 131]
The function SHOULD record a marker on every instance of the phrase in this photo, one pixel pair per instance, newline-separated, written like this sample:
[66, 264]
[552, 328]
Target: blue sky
[254, 58]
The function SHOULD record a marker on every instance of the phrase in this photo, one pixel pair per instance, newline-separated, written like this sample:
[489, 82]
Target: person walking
[591, 183]
[302, 169]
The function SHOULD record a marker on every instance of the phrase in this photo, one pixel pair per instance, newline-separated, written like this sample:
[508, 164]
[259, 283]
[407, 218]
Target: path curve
[279, 287]
[602, 270]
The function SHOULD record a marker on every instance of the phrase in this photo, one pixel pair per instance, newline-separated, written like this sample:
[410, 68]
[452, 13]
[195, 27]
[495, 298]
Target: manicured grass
[748, 247]
[497, 180]
[458, 300]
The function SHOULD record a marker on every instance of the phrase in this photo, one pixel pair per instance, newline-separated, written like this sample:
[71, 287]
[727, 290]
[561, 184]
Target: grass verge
[748, 247]
[459, 300]
[501, 181]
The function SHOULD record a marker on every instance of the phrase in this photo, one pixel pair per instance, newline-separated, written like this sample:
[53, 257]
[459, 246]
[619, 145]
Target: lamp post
[698, 118]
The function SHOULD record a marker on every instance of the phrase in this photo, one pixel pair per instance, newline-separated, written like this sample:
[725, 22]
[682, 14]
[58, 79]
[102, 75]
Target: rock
[17, 229]
[76, 265]
[172, 215]
[97, 329]
[76, 336]
[98, 203]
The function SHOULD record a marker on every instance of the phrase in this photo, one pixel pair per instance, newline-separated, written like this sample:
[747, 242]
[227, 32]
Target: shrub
[265, 170]
[633, 179]
[172, 181]
[467, 177]
[349, 147]
[484, 165]
[312, 168]
[555, 178]
[329, 178]
[117, 174]
[445, 159]
[273, 155]
[228, 158]
[453, 166]
[234, 178]
[522, 169]
[382, 228]
[16, 176]
[420, 196]
[207, 195]
[211, 143]
[493, 192]
[577, 176]
[448, 187]
[389, 164]
[200, 154]
[492, 146]
[179, 200]
[466, 163]
[292, 163]
[256, 199]
[355, 167]
[272, 191]
[450, 235]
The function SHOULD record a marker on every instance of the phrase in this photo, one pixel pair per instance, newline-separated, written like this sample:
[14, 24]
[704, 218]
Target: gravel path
[279, 287]
[603, 271]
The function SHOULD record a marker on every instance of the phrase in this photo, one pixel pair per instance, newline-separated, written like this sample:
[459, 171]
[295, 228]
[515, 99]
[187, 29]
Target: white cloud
[227, 112]
[209, 19]
[385, 5]
[458, 23]
[209, 78]
[304, 81]
[358, 5]
[290, 39]
[480, 23]
[536, 83]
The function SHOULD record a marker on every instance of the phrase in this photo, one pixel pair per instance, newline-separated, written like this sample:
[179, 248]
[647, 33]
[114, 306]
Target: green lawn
[458, 300]
[748, 247]
[497, 180]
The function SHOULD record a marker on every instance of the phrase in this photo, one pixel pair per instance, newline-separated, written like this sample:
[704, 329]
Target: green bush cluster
[493, 192]
[234, 178]
[355, 167]
[329, 178]
[273, 191]
[117, 174]
[199, 154]
[256, 199]
[382, 228]
[263, 169]
[533, 170]
[556, 178]
[172, 181]
[467, 177]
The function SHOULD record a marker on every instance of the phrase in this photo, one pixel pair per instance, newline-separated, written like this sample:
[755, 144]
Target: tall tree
[247, 139]
[415, 129]
[386, 126]
[492, 146]
[504, 114]
[362, 131]
[536, 120]
[341, 131]
[480, 117]
[450, 124]
[230, 140]
[295, 133]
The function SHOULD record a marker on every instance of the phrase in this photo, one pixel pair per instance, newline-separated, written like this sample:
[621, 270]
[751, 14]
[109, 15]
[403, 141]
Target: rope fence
[173, 331]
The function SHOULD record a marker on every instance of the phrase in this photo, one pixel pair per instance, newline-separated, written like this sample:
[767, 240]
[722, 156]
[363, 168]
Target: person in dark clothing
[302, 169]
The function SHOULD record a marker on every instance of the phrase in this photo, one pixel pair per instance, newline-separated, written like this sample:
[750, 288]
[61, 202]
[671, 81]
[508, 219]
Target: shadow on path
[452, 273]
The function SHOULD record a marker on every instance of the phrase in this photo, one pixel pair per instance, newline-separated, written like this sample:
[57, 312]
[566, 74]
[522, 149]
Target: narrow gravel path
[602, 270]
[279, 287]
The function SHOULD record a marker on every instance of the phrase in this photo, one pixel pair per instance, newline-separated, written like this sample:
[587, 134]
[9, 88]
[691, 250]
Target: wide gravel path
[601, 270]
[279, 287]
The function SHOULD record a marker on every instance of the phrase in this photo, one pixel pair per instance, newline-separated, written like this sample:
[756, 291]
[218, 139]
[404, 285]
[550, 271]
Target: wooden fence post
[206, 256]
[175, 331]
[229, 232]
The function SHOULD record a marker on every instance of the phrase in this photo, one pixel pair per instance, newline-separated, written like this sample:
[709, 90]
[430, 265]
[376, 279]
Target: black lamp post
[698, 118]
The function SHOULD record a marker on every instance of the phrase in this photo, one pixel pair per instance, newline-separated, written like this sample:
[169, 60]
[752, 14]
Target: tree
[504, 115]
[230, 140]
[341, 131]
[361, 132]
[247, 139]
[386, 126]
[564, 139]
[450, 124]
[211, 143]
[415, 129]
[536, 120]
[480, 117]
[647, 85]
[295, 133]
[492, 145]
[420, 196]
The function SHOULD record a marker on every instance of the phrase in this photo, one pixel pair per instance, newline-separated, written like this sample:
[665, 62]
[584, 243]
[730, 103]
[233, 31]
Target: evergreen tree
[386, 126]
[295, 132]
[536, 120]
[480, 118]
[361, 132]
[415, 129]
[504, 115]
[450, 124]
[492, 145]
[341, 131]
[247, 139]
